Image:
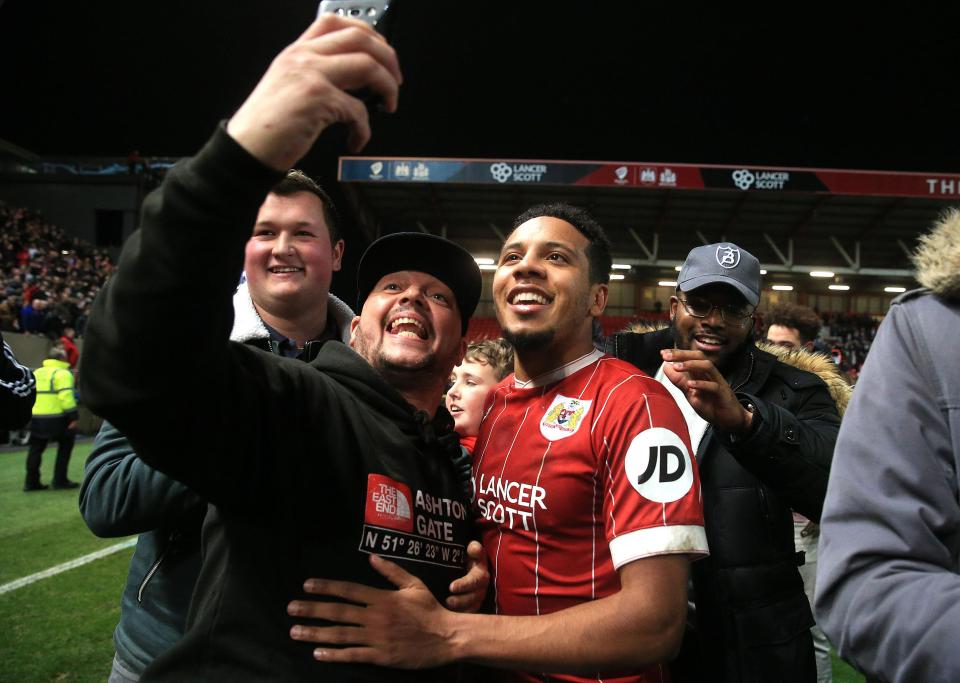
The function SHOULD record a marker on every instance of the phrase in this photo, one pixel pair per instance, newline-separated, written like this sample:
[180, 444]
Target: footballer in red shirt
[585, 488]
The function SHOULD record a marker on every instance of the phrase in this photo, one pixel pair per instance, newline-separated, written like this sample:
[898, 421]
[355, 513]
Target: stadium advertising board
[648, 176]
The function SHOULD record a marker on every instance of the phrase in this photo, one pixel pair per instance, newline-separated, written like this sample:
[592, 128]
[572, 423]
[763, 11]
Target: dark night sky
[612, 81]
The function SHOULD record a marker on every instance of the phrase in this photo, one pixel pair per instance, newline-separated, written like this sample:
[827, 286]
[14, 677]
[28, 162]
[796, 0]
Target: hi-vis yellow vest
[54, 389]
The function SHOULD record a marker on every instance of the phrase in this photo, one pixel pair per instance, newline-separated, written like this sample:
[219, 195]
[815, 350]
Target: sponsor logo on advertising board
[518, 173]
[421, 171]
[746, 179]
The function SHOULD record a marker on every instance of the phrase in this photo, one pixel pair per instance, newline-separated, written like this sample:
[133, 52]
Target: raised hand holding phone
[305, 90]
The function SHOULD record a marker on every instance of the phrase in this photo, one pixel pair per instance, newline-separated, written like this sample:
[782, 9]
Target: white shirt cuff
[687, 539]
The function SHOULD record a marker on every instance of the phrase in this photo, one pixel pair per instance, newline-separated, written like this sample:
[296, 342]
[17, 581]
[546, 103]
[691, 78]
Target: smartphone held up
[370, 11]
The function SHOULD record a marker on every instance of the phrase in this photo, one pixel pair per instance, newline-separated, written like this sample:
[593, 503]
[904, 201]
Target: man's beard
[397, 375]
[723, 360]
[529, 341]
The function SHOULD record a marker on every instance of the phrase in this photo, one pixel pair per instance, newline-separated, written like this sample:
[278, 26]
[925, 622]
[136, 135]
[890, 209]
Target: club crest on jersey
[564, 417]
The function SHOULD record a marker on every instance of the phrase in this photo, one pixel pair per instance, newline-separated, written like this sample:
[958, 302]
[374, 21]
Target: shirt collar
[284, 346]
[560, 373]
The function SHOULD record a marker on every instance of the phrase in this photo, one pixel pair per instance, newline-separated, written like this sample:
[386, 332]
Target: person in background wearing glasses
[763, 432]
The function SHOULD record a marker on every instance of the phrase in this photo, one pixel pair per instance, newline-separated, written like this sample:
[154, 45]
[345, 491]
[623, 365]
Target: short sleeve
[652, 501]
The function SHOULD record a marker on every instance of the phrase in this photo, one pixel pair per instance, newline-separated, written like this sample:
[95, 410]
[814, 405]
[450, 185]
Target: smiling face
[409, 323]
[718, 339]
[542, 292]
[471, 381]
[289, 260]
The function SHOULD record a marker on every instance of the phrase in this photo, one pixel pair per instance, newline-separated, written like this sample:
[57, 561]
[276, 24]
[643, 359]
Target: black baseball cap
[723, 262]
[448, 262]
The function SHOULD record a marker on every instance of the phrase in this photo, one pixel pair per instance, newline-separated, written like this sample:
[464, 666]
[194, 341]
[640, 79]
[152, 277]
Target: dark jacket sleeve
[888, 588]
[790, 449]
[122, 495]
[157, 359]
[18, 390]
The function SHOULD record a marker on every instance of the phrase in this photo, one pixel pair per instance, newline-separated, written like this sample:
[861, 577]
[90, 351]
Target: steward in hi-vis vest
[54, 418]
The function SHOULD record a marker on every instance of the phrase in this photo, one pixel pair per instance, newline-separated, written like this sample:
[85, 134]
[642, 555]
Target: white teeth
[710, 340]
[420, 332]
[406, 321]
[287, 269]
[529, 298]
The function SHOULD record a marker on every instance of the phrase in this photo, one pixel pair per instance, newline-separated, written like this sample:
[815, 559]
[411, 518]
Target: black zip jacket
[752, 618]
[307, 466]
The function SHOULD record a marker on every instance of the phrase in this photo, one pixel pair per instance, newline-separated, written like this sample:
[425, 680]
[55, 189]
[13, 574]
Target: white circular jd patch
[658, 465]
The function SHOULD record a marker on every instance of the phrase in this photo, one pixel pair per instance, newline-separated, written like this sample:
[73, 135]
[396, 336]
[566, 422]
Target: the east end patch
[564, 417]
[388, 503]
[413, 527]
[658, 465]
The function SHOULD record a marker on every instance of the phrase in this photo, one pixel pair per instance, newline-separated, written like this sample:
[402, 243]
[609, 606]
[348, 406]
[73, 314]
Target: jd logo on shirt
[658, 465]
[662, 454]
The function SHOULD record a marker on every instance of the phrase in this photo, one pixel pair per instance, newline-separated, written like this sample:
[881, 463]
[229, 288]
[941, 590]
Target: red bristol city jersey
[576, 474]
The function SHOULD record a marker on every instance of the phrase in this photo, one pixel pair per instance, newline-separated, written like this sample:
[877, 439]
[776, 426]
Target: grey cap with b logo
[725, 263]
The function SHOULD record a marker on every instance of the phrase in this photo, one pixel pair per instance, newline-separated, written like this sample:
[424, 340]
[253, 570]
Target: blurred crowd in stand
[847, 338]
[47, 278]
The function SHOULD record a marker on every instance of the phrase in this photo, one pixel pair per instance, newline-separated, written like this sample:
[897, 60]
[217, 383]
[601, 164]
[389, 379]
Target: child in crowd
[484, 365]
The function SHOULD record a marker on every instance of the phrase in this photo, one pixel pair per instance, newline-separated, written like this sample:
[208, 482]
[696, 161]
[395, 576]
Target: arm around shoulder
[642, 624]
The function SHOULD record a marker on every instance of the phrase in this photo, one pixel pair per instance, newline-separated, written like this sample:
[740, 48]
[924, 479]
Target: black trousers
[42, 431]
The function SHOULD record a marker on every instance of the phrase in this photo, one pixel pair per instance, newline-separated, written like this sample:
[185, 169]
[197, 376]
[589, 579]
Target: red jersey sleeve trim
[689, 539]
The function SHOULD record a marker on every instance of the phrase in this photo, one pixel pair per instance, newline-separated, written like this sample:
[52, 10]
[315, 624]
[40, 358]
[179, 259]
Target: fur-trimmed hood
[817, 363]
[644, 326]
[247, 325]
[820, 365]
[937, 258]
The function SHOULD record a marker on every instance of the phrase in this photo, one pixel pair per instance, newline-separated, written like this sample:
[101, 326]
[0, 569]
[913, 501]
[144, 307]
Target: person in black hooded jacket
[764, 434]
[309, 467]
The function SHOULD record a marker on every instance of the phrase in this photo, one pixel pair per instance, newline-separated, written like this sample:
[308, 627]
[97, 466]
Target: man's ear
[674, 302]
[354, 324]
[338, 255]
[598, 299]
